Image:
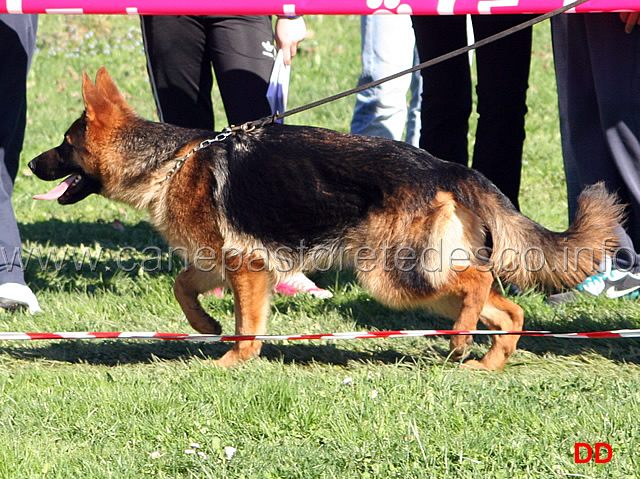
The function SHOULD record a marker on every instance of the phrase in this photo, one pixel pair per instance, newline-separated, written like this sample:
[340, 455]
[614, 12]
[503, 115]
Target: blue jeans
[388, 47]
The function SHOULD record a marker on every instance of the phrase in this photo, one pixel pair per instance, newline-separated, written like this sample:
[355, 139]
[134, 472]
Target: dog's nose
[32, 165]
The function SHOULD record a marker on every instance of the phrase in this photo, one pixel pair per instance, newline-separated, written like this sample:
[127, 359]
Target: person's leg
[615, 57]
[388, 45]
[582, 139]
[242, 52]
[600, 109]
[17, 37]
[598, 78]
[415, 104]
[179, 69]
[446, 88]
[503, 75]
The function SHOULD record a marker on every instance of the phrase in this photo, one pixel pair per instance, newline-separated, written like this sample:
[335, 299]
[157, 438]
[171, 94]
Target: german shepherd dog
[418, 231]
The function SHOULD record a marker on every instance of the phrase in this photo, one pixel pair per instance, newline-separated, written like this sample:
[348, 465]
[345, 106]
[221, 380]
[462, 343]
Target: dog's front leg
[251, 285]
[188, 285]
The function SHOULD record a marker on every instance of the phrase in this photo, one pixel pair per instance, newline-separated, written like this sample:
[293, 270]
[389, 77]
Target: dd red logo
[590, 452]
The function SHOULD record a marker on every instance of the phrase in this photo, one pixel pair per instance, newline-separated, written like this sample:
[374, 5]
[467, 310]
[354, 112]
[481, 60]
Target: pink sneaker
[299, 283]
[217, 292]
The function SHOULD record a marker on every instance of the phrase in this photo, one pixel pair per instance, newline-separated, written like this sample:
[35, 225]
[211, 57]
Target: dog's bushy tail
[529, 255]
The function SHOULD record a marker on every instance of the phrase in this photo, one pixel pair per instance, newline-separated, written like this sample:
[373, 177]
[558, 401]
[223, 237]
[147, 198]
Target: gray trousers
[598, 77]
[17, 37]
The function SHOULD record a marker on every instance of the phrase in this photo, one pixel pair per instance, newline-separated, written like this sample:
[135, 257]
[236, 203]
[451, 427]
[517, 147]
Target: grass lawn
[364, 408]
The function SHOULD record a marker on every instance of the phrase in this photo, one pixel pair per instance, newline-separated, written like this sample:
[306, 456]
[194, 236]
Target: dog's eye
[67, 138]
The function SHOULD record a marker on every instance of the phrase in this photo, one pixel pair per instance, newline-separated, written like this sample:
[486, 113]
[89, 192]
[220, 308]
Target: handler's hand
[289, 32]
[630, 20]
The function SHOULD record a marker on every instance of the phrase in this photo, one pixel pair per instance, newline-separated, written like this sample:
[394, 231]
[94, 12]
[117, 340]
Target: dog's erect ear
[108, 88]
[95, 103]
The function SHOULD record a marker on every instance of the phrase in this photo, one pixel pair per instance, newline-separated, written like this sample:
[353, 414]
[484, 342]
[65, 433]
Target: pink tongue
[57, 192]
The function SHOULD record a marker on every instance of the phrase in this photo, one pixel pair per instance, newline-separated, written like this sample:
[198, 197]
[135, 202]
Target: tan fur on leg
[499, 314]
[472, 286]
[188, 285]
[252, 293]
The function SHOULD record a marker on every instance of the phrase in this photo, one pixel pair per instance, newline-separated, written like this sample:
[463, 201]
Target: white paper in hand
[278, 90]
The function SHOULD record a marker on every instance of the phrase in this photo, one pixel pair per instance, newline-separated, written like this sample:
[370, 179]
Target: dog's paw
[203, 323]
[214, 327]
[459, 353]
[459, 347]
[240, 352]
[226, 361]
[474, 364]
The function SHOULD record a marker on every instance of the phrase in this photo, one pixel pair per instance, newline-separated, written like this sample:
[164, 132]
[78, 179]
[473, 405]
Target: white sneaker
[14, 295]
[612, 284]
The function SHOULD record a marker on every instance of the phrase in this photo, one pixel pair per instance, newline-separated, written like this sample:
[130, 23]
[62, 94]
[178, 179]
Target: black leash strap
[434, 61]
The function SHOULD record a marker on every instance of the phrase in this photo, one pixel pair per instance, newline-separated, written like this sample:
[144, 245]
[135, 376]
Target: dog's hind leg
[188, 285]
[499, 314]
[251, 285]
[464, 298]
[478, 301]
[461, 298]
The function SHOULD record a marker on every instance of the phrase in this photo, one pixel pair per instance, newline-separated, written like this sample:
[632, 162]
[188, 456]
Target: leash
[249, 126]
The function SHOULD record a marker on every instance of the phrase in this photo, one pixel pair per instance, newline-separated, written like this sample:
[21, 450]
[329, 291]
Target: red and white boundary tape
[620, 333]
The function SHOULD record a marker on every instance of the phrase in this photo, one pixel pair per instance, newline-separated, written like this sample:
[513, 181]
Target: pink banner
[303, 7]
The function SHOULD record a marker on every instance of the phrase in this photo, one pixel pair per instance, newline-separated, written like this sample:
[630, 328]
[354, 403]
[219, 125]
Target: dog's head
[81, 156]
